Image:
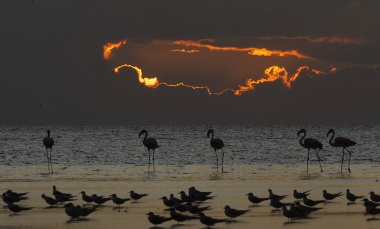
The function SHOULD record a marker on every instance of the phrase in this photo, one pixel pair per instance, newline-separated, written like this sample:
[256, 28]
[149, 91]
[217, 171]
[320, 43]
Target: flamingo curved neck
[212, 136]
[146, 136]
[301, 140]
[332, 136]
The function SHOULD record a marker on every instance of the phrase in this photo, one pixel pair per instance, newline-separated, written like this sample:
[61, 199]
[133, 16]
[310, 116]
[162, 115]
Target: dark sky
[324, 57]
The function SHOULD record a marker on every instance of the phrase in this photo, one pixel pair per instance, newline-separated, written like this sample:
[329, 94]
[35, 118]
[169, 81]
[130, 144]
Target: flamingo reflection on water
[150, 144]
[310, 143]
[216, 143]
[341, 142]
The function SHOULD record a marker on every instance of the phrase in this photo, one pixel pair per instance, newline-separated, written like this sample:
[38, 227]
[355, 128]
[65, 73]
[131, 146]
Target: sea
[117, 152]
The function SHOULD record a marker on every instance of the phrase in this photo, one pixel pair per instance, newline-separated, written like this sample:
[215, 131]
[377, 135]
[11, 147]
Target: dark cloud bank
[52, 70]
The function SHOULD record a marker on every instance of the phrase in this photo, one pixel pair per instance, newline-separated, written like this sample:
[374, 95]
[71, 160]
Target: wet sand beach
[229, 189]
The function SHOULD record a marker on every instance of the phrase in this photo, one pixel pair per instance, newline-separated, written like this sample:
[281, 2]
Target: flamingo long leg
[51, 163]
[222, 160]
[349, 160]
[47, 156]
[217, 161]
[149, 161]
[341, 167]
[154, 167]
[307, 162]
[319, 160]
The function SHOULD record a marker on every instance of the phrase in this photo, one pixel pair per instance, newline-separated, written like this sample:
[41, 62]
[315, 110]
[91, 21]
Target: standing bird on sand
[341, 142]
[331, 196]
[216, 143]
[209, 221]
[157, 219]
[151, 144]
[256, 200]
[310, 143]
[48, 143]
[233, 213]
[16, 208]
[352, 197]
[136, 196]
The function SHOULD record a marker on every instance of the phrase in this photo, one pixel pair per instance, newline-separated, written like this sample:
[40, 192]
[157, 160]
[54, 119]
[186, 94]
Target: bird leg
[47, 156]
[51, 163]
[349, 159]
[149, 155]
[307, 162]
[149, 161]
[341, 167]
[222, 160]
[319, 160]
[154, 167]
[217, 161]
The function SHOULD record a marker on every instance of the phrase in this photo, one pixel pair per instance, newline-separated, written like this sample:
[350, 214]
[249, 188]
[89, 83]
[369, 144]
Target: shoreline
[227, 191]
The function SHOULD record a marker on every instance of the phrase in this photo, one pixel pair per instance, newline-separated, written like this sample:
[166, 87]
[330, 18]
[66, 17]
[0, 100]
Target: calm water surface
[117, 150]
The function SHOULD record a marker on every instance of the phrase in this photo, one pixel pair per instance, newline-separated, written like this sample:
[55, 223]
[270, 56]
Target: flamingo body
[341, 142]
[216, 144]
[150, 144]
[310, 143]
[48, 143]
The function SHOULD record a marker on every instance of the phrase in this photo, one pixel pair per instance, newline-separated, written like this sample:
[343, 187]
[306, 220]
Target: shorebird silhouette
[136, 196]
[16, 208]
[157, 219]
[209, 221]
[374, 197]
[119, 201]
[86, 198]
[167, 202]
[48, 143]
[150, 144]
[330, 196]
[256, 200]
[292, 214]
[310, 143]
[49, 200]
[299, 195]
[233, 213]
[352, 197]
[179, 217]
[216, 143]
[341, 142]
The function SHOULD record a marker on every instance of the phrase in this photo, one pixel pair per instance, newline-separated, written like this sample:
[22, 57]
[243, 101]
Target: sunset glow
[185, 51]
[332, 39]
[273, 73]
[109, 47]
[149, 82]
[250, 50]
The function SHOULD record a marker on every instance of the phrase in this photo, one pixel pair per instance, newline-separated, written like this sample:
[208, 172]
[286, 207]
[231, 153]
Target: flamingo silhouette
[48, 143]
[151, 144]
[216, 143]
[341, 142]
[310, 143]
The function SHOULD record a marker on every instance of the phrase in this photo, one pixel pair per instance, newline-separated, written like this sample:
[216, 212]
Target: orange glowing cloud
[185, 51]
[332, 39]
[109, 47]
[272, 73]
[149, 82]
[250, 50]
